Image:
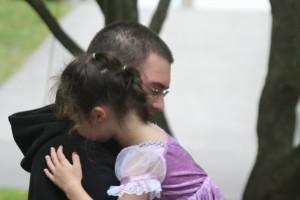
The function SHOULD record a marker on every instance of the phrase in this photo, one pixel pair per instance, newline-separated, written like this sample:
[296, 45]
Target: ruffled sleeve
[140, 170]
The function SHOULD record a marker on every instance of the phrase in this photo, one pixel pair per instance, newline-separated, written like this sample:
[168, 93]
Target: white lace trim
[153, 187]
[152, 142]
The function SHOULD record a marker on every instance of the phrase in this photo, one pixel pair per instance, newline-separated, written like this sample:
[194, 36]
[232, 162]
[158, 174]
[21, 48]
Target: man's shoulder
[90, 152]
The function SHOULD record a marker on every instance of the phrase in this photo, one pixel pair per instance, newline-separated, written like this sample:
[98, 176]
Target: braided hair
[100, 79]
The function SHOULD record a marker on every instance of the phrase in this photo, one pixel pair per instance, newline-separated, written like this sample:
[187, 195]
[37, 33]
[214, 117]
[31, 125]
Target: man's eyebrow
[160, 85]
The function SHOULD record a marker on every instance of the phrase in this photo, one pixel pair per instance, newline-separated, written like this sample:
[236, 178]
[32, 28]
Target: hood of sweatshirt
[31, 129]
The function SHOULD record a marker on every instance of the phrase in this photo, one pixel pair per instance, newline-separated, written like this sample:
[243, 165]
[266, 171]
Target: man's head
[137, 46]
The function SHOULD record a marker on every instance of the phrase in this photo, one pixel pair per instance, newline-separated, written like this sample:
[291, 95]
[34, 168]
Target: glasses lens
[157, 92]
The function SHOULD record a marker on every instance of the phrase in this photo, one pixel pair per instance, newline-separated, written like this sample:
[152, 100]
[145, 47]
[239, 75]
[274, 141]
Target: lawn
[21, 31]
[13, 194]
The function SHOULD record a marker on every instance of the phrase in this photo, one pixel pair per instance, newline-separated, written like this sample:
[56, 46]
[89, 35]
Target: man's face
[155, 74]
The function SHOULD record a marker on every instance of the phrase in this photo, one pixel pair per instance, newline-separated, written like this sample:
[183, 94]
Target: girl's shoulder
[145, 158]
[145, 147]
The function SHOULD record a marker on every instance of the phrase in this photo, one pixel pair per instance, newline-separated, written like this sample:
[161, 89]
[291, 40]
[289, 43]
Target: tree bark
[159, 16]
[275, 175]
[54, 27]
[118, 10]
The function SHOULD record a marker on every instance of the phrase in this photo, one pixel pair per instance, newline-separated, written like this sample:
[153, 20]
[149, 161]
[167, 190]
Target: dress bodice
[167, 171]
[184, 177]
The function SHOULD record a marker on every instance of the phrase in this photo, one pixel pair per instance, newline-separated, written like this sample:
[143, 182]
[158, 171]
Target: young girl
[106, 100]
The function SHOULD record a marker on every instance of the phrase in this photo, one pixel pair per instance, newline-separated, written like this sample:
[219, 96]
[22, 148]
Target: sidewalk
[217, 77]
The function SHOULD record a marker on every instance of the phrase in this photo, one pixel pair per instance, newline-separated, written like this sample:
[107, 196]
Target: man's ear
[99, 113]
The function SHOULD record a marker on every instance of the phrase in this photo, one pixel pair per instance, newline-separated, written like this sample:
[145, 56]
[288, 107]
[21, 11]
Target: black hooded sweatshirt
[35, 131]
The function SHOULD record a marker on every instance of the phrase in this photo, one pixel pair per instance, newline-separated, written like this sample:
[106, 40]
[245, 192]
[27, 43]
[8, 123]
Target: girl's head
[100, 80]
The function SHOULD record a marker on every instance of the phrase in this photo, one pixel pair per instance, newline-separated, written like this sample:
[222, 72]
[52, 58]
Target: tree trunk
[275, 175]
[117, 10]
[159, 16]
[50, 21]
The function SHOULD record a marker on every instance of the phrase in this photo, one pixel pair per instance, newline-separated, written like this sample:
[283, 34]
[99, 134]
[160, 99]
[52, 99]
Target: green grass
[21, 31]
[13, 194]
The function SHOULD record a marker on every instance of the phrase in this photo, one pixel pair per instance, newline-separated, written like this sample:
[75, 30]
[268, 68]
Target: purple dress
[165, 171]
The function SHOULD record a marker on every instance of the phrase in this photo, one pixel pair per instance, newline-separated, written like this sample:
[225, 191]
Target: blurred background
[221, 51]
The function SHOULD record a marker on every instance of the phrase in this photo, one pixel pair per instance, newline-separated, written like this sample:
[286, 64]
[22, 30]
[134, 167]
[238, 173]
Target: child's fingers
[54, 156]
[61, 156]
[76, 159]
[49, 175]
[50, 163]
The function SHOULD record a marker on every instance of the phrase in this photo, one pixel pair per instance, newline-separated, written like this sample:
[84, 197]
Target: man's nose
[158, 104]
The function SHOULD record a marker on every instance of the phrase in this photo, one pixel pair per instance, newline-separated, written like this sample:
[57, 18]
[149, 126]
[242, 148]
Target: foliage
[21, 31]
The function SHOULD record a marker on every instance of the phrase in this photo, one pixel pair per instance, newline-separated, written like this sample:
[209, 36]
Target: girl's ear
[99, 113]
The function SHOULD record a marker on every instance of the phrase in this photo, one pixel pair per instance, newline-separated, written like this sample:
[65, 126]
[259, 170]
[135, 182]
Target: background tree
[276, 173]
[113, 10]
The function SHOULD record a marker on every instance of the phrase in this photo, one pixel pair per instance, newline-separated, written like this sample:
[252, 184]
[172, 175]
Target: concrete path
[220, 64]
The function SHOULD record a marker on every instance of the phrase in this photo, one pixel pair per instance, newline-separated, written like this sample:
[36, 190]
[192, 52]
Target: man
[37, 130]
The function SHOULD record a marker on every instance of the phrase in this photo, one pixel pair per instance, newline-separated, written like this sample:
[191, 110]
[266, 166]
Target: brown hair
[131, 42]
[100, 79]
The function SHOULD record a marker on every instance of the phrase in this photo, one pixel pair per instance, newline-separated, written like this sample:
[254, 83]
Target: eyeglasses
[157, 92]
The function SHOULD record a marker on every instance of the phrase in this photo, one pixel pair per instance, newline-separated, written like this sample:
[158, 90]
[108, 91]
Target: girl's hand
[61, 172]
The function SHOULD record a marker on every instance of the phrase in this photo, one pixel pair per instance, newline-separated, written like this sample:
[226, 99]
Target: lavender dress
[165, 171]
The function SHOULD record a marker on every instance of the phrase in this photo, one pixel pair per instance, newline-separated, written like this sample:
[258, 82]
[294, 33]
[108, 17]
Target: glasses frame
[157, 92]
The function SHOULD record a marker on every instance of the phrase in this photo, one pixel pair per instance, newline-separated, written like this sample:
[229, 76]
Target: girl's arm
[65, 175]
[133, 197]
[68, 177]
